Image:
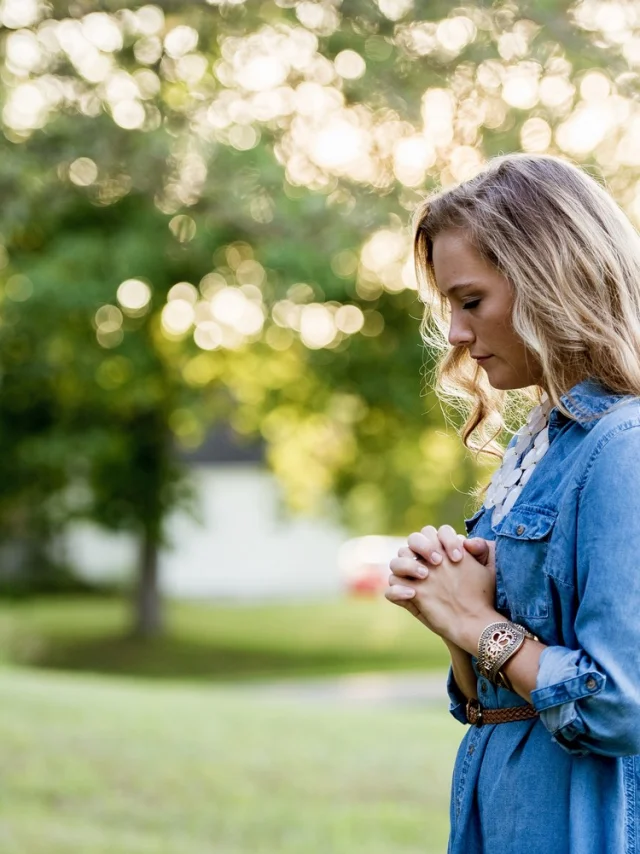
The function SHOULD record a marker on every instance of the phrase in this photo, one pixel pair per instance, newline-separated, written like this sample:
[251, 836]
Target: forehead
[456, 260]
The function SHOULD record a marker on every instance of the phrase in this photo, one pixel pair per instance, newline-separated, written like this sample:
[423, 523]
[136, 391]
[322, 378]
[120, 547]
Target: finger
[399, 593]
[403, 582]
[479, 548]
[408, 567]
[424, 548]
[476, 544]
[406, 552]
[406, 604]
[431, 534]
[450, 541]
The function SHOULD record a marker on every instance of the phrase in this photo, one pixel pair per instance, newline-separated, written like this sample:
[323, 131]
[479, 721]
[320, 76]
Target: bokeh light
[317, 326]
[535, 135]
[18, 288]
[456, 33]
[412, 156]
[134, 296]
[129, 114]
[520, 85]
[20, 13]
[108, 323]
[349, 319]
[83, 171]
[183, 228]
[208, 335]
[180, 40]
[183, 291]
[395, 9]
[350, 64]
[177, 317]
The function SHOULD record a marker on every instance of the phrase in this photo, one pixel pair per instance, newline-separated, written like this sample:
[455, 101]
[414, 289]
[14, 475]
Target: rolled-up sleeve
[589, 698]
[457, 700]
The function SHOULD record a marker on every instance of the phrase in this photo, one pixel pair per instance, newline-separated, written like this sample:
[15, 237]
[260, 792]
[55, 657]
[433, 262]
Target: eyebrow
[458, 287]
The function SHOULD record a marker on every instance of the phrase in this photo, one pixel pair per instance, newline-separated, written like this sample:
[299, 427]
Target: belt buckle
[474, 711]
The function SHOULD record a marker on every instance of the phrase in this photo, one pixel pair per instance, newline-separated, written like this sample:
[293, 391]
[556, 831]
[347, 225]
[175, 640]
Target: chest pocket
[522, 545]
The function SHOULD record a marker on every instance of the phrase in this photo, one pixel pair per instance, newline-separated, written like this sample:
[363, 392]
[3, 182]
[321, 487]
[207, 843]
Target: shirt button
[471, 749]
[591, 684]
[483, 687]
[520, 530]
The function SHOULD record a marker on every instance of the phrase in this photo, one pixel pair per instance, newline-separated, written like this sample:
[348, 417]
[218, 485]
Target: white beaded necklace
[509, 480]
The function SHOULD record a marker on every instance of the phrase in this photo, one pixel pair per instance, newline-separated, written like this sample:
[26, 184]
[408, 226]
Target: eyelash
[472, 303]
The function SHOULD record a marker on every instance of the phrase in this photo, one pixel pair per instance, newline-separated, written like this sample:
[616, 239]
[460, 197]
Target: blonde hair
[572, 259]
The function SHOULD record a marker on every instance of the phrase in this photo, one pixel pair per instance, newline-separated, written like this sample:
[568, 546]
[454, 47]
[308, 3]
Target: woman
[534, 273]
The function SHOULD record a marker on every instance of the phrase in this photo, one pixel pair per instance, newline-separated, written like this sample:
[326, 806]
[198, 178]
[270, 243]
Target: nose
[459, 331]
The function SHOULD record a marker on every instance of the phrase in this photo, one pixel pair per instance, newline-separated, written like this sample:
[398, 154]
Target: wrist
[456, 652]
[470, 631]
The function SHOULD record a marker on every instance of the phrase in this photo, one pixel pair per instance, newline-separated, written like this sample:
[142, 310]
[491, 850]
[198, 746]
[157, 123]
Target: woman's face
[481, 301]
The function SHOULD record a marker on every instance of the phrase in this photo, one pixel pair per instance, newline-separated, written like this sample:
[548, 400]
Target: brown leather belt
[478, 715]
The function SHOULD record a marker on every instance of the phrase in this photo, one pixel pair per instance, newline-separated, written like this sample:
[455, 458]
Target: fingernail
[456, 554]
[405, 592]
[422, 571]
[436, 557]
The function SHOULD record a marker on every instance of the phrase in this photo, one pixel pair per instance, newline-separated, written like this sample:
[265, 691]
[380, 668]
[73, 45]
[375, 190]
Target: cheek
[498, 324]
[498, 336]
[495, 311]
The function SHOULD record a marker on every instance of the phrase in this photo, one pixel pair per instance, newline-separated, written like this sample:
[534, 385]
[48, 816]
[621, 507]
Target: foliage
[248, 171]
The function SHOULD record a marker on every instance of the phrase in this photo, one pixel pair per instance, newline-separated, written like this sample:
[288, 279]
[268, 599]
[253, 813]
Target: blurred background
[216, 423]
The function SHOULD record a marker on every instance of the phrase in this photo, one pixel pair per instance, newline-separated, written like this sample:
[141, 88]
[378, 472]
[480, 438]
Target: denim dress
[568, 569]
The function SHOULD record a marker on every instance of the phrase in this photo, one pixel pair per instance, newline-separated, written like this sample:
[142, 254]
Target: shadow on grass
[176, 658]
[218, 643]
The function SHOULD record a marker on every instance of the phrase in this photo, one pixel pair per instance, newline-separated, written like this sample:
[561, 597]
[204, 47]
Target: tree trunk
[147, 617]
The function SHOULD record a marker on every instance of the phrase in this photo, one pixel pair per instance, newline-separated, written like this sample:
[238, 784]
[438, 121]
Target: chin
[505, 382]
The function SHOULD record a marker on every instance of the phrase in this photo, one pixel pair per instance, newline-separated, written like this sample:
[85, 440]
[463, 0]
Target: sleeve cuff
[457, 700]
[563, 678]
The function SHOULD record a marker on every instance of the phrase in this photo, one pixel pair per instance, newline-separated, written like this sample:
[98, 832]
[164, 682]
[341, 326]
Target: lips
[481, 358]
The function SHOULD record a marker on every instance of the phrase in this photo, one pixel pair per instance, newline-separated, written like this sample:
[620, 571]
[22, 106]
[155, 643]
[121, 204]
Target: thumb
[479, 548]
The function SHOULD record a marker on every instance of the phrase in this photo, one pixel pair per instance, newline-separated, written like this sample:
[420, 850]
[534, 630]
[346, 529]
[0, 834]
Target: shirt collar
[585, 401]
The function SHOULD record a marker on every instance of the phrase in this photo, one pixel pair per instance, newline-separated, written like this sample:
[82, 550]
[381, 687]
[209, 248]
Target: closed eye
[472, 303]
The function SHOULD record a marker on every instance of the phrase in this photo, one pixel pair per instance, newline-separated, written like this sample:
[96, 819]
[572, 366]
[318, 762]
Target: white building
[245, 545]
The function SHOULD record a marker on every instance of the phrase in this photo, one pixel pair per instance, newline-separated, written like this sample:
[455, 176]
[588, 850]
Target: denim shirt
[568, 569]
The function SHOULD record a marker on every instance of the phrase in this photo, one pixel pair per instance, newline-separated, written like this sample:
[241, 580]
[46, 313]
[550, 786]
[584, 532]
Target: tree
[206, 215]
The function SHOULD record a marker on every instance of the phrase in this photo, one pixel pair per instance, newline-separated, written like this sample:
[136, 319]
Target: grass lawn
[222, 642]
[100, 765]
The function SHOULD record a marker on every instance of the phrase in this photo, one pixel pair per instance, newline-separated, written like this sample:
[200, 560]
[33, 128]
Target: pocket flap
[528, 522]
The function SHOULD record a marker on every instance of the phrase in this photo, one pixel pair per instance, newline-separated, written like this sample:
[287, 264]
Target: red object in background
[370, 579]
[364, 563]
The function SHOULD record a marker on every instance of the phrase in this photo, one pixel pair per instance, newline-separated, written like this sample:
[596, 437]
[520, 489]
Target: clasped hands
[447, 582]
